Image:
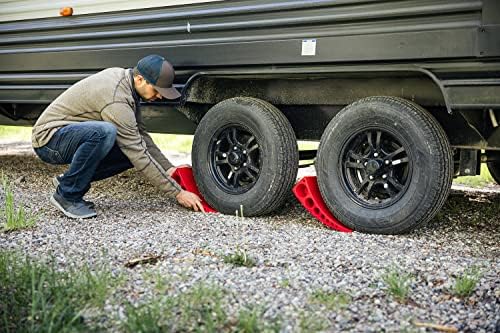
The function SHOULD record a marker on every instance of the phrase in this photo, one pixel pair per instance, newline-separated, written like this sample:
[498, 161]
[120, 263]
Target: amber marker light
[66, 11]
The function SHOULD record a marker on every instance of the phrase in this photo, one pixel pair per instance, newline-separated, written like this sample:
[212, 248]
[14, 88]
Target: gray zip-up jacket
[109, 96]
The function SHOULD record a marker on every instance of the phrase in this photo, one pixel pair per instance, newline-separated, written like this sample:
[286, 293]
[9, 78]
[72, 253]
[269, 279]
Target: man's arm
[150, 145]
[135, 148]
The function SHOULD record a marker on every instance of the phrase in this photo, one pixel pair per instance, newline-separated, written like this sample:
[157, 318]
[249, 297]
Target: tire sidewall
[494, 167]
[409, 132]
[245, 115]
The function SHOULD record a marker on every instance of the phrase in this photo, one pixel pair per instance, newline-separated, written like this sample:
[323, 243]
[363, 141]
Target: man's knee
[107, 130]
[107, 133]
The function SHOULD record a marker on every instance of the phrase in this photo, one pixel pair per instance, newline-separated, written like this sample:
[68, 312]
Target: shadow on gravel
[469, 211]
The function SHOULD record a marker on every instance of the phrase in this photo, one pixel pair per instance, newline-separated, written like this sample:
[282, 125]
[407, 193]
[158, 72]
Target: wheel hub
[376, 168]
[235, 159]
[372, 166]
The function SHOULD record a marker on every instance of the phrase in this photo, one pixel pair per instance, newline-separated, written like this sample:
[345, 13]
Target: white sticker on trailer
[309, 47]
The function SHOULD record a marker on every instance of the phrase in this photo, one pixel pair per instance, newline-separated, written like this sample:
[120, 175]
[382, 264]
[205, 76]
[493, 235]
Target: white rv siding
[14, 10]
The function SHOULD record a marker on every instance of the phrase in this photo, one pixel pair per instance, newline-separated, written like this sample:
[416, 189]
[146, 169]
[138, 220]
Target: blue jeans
[90, 149]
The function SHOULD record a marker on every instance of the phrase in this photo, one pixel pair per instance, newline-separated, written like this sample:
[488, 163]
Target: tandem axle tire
[384, 165]
[245, 155]
[494, 165]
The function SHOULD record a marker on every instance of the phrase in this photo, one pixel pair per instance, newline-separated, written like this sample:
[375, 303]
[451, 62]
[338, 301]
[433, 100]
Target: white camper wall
[14, 10]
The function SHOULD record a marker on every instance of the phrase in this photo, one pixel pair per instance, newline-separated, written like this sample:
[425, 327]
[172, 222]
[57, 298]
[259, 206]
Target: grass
[331, 300]
[168, 142]
[16, 218]
[397, 283]
[15, 133]
[285, 283]
[250, 320]
[197, 310]
[172, 142]
[311, 322]
[466, 283]
[239, 258]
[482, 180]
[36, 297]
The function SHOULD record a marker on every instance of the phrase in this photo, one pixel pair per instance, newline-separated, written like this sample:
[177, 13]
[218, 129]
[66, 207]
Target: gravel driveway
[296, 256]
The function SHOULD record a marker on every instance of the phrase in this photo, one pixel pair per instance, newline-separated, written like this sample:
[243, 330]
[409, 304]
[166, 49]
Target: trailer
[401, 95]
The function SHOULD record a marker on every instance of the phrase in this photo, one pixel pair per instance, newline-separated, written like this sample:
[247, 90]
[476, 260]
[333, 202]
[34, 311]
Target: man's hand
[171, 170]
[190, 200]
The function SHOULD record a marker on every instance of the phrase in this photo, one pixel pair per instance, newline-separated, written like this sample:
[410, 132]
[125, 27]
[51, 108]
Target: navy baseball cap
[160, 73]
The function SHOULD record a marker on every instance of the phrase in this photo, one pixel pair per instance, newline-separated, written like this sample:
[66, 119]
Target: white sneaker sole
[68, 214]
[55, 182]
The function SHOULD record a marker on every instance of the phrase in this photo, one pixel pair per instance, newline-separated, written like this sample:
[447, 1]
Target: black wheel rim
[235, 159]
[376, 168]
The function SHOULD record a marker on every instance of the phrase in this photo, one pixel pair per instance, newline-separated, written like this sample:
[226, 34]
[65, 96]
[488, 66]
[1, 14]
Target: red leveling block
[184, 177]
[307, 192]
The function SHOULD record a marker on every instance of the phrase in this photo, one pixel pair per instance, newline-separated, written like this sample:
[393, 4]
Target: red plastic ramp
[184, 177]
[307, 192]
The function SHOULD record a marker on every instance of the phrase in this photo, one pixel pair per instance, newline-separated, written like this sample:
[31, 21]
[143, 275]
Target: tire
[411, 173]
[265, 149]
[494, 166]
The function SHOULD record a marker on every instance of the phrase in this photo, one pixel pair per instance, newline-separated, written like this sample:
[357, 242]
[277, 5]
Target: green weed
[285, 283]
[36, 297]
[250, 320]
[239, 258]
[15, 218]
[197, 310]
[466, 283]
[311, 322]
[398, 284]
[145, 317]
[331, 300]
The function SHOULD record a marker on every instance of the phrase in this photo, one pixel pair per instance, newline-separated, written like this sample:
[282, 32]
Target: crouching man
[96, 127]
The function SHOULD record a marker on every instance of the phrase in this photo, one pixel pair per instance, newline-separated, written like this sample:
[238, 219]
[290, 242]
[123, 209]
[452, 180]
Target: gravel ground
[295, 254]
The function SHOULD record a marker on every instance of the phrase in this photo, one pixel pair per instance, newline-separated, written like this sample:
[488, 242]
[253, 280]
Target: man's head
[153, 78]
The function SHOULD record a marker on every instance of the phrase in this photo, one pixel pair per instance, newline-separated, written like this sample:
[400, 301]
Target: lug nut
[387, 161]
[235, 148]
[366, 163]
[244, 164]
[386, 186]
[384, 176]
[371, 177]
[375, 155]
[244, 151]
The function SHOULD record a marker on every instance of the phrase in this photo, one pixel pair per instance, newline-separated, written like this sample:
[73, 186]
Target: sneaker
[55, 182]
[75, 210]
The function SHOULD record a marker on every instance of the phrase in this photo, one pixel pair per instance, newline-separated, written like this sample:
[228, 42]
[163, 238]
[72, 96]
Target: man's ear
[139, 79]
